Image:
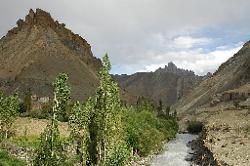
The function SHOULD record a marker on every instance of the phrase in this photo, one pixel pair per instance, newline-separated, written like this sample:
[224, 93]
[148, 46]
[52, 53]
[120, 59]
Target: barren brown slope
[34, 52]
[230, 75]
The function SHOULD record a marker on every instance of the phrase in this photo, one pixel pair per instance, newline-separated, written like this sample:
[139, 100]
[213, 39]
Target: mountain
[228, 83]
[166, 84]
[33, 53]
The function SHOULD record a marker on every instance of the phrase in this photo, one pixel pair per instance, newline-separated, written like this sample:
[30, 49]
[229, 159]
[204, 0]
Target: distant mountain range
[167, 84]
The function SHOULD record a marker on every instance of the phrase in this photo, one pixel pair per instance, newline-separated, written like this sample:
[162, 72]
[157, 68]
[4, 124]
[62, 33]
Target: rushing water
[175, 152]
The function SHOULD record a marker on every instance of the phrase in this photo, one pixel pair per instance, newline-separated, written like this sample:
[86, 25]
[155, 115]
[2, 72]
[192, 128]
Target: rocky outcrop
[172, 68]
[167, 84]
[34, 52]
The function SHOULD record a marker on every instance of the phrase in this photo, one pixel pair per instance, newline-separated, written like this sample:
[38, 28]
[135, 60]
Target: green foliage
[144, 104]
[107, 131]
[8, 160]
[167, 111]
[119, 156]
[50, 152]
[79, 123]
[26, 141]
[146, 131]
[194, 127]
[62, 95]
[8, 112]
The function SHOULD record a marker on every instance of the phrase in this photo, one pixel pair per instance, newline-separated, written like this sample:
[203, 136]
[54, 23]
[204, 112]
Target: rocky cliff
[34, 52]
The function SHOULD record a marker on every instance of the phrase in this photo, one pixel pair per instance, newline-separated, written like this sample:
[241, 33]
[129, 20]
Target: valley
[59, 105]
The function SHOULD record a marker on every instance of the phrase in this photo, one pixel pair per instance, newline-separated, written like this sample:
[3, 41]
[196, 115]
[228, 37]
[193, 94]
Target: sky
[143, 35]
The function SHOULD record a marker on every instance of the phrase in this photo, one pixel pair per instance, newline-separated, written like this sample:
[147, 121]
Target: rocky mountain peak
[172, 68]
[39, 17]
[42, 20]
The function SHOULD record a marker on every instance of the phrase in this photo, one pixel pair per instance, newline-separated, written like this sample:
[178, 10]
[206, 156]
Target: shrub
[120, 156]
[194, 127]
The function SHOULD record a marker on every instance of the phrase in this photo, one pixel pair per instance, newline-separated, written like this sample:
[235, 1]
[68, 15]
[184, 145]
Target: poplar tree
[79, 124]
[49, 152]
[109, 134]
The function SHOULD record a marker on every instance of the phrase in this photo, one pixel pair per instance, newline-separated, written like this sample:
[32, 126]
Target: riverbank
[225, 139]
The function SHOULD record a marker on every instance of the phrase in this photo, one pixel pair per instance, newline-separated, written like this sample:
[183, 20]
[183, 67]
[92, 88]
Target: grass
[30, 141]
[8, 160]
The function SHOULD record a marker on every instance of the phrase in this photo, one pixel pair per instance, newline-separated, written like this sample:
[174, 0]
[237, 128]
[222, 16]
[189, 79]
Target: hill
[34, 52]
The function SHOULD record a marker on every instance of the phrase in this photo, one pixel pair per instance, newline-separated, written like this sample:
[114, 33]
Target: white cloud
[189, 42]
[197, 60]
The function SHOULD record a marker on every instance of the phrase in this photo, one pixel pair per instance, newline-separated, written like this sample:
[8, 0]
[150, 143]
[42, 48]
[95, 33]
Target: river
[175, 152]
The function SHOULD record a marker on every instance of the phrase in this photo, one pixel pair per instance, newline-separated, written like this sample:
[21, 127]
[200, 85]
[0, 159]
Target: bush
[194, 127]
[119, 157]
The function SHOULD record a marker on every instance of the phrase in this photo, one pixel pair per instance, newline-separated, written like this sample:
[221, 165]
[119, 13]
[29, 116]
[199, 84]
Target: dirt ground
[228, 137]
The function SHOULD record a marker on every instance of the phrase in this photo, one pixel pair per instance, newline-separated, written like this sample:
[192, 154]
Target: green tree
[167, 111]
[62, 95]
[49, 152]
[8, 112]
[107, 133]
[144, 104]
[79, 125]
[160, 110]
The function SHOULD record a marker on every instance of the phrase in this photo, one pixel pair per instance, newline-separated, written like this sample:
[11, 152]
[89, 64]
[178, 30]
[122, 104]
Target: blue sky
[142, 35]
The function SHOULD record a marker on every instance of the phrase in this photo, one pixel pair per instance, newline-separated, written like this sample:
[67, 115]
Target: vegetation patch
[8, 160]
[26, 141]
[146, 131]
